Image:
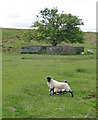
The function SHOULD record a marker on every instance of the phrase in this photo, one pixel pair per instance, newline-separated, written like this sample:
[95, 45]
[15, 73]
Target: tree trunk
[54, 43]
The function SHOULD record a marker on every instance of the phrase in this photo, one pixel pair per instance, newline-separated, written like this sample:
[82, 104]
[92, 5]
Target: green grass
[8, 33]
[25, 90]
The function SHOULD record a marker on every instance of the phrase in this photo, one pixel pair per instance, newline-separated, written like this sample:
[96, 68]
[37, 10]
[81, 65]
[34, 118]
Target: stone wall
[31, 50]
[51, 50]
[64, 50]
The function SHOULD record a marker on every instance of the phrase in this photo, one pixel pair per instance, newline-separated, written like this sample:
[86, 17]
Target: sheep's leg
[50, 91]
[64, 91]
[53, 91]
[71, 92]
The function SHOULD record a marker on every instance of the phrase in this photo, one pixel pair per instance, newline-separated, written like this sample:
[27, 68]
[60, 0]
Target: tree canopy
[56, 27]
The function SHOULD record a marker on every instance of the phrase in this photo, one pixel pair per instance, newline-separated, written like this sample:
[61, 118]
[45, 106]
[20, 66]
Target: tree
[55, 27]
[27, 36]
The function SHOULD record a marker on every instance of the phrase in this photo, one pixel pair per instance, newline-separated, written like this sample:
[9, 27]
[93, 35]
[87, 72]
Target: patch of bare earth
[90, 97]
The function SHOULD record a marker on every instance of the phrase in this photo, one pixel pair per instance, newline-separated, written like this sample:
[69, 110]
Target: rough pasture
[25, 91]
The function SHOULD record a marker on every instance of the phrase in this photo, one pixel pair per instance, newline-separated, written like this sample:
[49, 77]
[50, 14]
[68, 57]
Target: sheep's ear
[47, 77]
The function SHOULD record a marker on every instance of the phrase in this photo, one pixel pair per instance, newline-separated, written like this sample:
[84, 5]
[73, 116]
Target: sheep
[89, 52]
[82, 53]
[53, 84]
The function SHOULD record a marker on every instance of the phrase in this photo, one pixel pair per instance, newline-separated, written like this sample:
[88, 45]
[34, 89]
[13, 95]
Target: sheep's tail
[65, 81]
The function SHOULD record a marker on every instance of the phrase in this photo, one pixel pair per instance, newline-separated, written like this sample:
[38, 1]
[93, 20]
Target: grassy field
[25, 90]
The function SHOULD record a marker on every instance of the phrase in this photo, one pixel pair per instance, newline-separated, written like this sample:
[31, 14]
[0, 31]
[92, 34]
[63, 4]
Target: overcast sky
[21, 13]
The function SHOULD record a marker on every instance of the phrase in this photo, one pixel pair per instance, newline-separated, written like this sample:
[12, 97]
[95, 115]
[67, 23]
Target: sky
[21, 13]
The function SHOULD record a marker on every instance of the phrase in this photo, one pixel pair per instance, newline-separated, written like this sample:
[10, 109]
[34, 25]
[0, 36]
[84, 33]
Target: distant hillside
[90, 39]
[8, 33]
[12, 39]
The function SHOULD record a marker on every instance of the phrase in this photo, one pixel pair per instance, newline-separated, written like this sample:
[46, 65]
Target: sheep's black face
[48, 79]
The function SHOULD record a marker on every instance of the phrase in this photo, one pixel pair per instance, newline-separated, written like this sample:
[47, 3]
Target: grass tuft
[81, 70]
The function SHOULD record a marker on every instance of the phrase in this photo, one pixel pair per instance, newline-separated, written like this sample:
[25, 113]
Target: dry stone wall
[31, 50]
[54, 50]
[64, 50]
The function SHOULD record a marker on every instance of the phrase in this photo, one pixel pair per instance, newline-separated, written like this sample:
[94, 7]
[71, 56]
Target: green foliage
[27, 36]
[58, 27]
